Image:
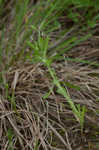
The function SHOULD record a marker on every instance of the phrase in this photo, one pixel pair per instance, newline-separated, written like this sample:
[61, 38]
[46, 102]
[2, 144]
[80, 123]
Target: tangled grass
[34, 114]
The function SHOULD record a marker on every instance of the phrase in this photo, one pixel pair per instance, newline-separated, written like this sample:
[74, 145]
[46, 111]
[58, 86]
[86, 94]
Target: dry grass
[29, 121]
[49, 123]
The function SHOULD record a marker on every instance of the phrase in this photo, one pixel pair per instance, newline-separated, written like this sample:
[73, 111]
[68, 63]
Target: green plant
[40, 54]
[10, 136]
[36, 145]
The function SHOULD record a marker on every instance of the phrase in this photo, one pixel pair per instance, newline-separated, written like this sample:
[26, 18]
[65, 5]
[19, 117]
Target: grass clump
[49, 74]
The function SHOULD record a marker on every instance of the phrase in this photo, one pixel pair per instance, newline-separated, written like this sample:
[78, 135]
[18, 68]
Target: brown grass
[50, 122]
[30, 122]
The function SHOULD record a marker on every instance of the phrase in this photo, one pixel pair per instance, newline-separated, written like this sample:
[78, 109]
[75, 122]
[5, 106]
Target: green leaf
[68, 84]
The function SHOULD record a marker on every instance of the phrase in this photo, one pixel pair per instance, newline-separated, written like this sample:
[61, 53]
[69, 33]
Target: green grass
[46, 22]
[10, 136]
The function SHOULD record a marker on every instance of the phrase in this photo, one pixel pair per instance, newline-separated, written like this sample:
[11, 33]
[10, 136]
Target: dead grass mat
[49, 123]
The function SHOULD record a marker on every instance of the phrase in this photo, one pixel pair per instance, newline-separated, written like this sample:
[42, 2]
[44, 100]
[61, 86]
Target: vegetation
[49, 76]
